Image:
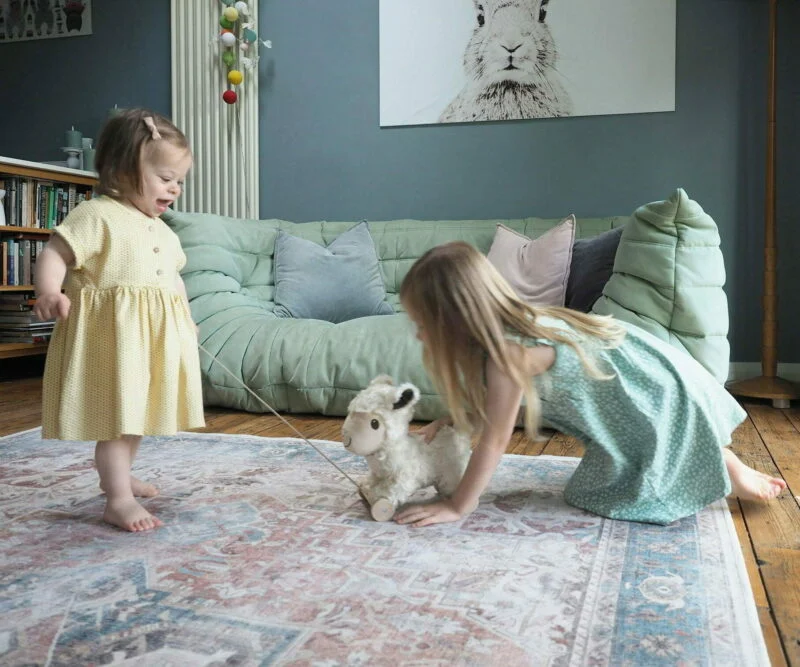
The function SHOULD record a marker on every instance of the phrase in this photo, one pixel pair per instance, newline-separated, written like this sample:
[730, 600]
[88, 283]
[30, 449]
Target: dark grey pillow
[336, 284]
[591, 268]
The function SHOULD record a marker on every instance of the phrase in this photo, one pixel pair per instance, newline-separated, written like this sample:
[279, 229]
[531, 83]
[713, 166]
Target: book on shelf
[22, 319]
[24, 327]
[24, 300]
[39, 203]
[24, 337]
[22, 306]
[19, 260]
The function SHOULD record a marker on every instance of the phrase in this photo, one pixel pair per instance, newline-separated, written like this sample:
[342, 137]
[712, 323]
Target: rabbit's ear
[543, 10]
[480, 12]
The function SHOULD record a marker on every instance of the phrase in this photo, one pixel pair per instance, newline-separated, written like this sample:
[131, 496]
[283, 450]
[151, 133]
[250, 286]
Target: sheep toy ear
[381, 379]
[407, 396]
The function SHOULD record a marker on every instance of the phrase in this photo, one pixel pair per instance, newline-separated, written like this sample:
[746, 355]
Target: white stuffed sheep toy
[400, 463]
[510, 64]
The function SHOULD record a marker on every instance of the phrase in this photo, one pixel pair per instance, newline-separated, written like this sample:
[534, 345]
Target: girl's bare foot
[139, 488]
[128, 514]
[750, 484]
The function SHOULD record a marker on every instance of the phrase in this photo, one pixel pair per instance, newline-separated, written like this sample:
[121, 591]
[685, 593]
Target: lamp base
[776, 389]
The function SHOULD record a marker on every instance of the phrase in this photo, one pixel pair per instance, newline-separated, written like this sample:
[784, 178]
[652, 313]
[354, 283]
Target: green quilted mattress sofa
[668, 277]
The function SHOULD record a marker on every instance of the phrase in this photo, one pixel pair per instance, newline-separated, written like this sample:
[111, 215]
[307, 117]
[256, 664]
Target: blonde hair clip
[151, 125]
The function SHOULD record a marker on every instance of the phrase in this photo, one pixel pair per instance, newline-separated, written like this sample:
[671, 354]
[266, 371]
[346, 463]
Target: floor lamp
[769, 385]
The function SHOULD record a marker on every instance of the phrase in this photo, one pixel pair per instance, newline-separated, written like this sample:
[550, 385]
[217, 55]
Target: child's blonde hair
[466, 308]
[121, 144]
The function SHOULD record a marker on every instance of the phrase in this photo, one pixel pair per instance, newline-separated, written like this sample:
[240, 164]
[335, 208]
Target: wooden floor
[769, 534]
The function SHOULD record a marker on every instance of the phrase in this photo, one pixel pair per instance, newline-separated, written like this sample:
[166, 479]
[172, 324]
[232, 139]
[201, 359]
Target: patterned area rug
[268, 557]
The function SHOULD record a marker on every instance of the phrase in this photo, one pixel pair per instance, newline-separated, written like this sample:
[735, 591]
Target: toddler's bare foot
[750, 484]
[140, 489]
[128, 514]
[143, 489]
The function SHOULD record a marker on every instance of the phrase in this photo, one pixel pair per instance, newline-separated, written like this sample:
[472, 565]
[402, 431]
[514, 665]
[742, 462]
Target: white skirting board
[741, 370]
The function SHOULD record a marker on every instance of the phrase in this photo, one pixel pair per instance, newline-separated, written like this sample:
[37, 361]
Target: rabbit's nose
[511, 49]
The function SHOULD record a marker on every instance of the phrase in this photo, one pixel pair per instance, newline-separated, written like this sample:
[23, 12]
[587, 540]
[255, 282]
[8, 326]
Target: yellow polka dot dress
[125, 360]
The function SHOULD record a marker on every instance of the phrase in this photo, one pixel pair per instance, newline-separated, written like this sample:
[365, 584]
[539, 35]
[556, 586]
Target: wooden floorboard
[769, 534]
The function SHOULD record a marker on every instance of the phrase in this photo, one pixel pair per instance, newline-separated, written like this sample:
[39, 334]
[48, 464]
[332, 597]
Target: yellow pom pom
[235, 77]
[231, 14]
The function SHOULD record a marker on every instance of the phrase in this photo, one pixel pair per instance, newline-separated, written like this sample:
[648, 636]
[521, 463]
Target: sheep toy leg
[379, 507]
[385, 496]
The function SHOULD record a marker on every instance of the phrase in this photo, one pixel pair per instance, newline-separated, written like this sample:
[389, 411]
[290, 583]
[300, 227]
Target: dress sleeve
[84, 231]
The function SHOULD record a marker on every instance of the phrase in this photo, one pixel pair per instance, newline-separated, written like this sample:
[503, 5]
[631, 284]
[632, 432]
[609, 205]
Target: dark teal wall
[47, 85]
[323, 154]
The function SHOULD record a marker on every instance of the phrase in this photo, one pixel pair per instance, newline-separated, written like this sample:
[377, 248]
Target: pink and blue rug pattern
[268, 557]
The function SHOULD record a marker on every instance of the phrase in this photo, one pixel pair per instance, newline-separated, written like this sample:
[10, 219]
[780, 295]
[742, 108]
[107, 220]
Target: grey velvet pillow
[591, 268]
[336, 284]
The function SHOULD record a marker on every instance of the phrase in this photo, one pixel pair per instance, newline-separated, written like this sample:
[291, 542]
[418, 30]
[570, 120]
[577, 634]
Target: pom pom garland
[239, 44]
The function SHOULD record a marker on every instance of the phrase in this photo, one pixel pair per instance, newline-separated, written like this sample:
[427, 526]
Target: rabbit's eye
[374, 424]
[481, 19]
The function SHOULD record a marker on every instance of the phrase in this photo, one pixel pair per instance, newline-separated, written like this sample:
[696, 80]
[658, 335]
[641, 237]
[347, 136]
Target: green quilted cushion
[668, 278]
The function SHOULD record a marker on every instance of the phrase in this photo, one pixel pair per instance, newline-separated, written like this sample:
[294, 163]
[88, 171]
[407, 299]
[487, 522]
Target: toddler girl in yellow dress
[123, 360]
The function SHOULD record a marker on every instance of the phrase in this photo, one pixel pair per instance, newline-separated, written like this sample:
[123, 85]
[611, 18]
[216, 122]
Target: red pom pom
[229, 96]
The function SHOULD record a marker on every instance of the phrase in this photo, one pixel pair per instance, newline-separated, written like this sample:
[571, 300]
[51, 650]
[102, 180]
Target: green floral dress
[653, 434]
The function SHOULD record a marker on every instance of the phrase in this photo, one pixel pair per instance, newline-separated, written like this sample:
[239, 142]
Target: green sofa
[311, 366]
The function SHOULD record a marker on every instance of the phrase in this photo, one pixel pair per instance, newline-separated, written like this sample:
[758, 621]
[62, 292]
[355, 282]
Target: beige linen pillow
[537, 269]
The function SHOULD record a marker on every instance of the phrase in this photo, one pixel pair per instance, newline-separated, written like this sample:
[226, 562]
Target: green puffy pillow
[668, 278]
[335, 284]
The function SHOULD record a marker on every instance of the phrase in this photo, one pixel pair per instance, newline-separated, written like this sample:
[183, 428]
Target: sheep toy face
[363, 433]
[381, 409]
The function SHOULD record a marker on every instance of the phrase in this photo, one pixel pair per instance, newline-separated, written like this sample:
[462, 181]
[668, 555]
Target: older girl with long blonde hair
[654, 423]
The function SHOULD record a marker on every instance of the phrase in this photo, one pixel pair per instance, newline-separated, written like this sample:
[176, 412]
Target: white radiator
[223, 137]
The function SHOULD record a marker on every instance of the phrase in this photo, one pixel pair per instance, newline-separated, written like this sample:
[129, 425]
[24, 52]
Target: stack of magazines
[18, 324]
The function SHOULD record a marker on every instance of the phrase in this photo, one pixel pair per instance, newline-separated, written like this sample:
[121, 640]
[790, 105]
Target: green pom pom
[228, 58]
[228, 3]
[225, 23]
[250, 35]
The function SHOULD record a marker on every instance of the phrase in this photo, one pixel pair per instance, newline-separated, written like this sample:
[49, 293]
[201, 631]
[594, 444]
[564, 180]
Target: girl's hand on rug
[427, 515]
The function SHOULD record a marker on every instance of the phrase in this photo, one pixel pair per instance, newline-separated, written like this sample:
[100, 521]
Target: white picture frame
[611, 57]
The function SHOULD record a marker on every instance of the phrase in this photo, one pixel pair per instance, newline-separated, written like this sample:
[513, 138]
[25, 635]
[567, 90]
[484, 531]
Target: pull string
[269, 407]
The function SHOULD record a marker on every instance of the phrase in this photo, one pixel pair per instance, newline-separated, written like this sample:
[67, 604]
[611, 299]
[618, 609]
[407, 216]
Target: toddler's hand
[48, 306]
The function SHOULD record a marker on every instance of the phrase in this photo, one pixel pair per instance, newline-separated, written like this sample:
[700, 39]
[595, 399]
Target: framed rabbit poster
[456, 61]
[43, 19]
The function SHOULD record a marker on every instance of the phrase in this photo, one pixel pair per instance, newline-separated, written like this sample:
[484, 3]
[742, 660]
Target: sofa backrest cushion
[233, 255]
[338, 283]
[591, 268]
[668, 278]
[536, 269]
